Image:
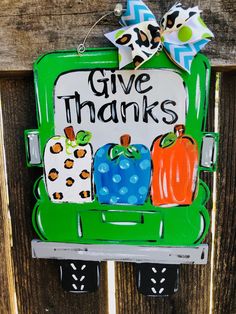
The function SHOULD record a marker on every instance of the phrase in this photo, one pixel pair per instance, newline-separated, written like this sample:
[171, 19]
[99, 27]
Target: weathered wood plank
[7, 288]
[29, 28]
[38, 288]
[225, 244]
[194, 288]
[194, 293]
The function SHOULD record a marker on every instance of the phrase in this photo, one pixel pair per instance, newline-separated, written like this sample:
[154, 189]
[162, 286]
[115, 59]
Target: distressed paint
[32, 147]
[124, 253]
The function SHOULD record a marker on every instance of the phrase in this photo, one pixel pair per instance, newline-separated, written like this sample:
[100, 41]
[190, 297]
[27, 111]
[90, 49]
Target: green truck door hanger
[121, 151]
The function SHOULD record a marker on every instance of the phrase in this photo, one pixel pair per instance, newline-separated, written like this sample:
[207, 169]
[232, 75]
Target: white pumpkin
[68, 167]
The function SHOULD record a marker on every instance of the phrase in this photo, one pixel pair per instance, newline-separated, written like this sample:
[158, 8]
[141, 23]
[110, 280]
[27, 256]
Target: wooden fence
[28, 28]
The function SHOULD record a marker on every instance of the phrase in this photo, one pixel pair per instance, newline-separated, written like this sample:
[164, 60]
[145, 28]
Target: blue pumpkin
[122, 173]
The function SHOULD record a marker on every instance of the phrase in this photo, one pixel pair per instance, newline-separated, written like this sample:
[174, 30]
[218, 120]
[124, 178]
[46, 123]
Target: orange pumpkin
[175, 163]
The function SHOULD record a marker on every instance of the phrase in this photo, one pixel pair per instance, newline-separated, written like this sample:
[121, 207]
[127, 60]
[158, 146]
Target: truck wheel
[157, 279]
[79, 276]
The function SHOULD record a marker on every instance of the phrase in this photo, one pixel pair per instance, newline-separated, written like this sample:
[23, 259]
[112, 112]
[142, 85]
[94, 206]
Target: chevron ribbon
[183, 55]
[136, 12]
[181, 32]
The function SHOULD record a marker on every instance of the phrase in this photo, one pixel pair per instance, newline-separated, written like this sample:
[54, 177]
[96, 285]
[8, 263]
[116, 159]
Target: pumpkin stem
[179, 130]
[125, 140]
[69, 132]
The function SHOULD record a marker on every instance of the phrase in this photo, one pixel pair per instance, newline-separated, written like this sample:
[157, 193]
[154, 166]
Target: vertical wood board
[224, 287]
[38, 287]
[7, 288]
[194, 287]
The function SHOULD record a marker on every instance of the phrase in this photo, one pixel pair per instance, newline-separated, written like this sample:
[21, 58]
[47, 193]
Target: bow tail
[139, 57]
[125, 55]
[141, 42]
[183, 54]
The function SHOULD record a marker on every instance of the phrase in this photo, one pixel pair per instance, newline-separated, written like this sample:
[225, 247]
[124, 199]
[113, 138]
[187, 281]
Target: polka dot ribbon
[118, 150]
[181, 33]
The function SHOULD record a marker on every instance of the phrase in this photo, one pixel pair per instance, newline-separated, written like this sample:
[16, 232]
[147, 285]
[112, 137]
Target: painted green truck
[87, 95]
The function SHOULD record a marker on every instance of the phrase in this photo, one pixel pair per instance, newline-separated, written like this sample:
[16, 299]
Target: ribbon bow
[118, 150]
[182, 33]
[82, 138]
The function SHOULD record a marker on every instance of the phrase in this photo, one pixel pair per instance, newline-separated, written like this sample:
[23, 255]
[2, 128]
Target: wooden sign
[122, 152]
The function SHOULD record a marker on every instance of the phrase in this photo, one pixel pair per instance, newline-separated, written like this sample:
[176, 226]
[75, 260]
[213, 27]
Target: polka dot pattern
[123, 190]
[122, 180]
[116, 178]
[145, 164]
[124, 164]
[103, 167]
[206, 35]
[119, 33]
[201, 22]
[134, 179]
[142, 190]
[132, 199]
[185, 34]
[113, 200]
[104, 191]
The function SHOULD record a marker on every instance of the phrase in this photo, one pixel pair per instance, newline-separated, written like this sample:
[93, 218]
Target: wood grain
[193, 296]
[7, 287]
[37, 283]
[29, 28]
[225, 245]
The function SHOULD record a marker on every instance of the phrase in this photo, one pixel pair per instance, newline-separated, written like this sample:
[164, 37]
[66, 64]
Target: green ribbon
[82, 139]
[70, 145]
[118, 150]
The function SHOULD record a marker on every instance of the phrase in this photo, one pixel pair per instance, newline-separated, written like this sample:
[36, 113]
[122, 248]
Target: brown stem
[69, 132]
[179, 130]
[125, 140]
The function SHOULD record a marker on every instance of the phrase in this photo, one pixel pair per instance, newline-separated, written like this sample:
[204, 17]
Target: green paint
[119, 33]
[184, 34]
[83, 137]
[60, 222]
[168, 140]
[206, 35]
[129, 152]
[200, 20]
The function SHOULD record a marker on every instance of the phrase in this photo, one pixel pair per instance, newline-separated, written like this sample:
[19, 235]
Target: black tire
[157, 279]
[79, 276]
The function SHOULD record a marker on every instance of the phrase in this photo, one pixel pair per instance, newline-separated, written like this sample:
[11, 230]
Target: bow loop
[146, 36]
[136, 12]
[181, 32]
[177, 16]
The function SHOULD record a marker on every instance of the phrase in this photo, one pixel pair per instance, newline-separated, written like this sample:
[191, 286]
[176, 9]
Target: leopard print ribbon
[181, 32]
